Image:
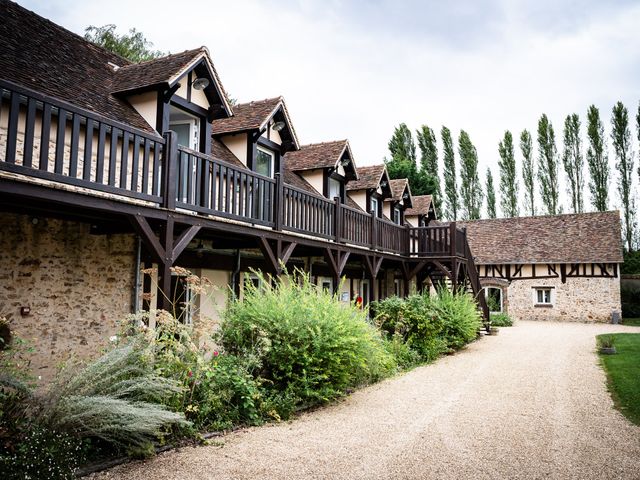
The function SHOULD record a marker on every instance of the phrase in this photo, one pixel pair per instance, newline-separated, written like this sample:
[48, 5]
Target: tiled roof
[368, 177]
[572, 238]
[316, 155]
[421, 204]
[252, 116]
[397, 188]
[38, 54]
[164, 70]
[220, 150]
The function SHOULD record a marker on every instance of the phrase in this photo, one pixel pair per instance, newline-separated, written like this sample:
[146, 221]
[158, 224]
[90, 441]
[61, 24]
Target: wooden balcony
[60, 146]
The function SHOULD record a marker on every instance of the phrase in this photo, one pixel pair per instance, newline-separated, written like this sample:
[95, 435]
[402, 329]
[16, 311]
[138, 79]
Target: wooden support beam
[142, 227]
[372, 264]
[183, 241]
[277, 254]
[267, 251]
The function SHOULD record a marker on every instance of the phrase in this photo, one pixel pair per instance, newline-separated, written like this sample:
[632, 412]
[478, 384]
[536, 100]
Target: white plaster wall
[238, 145]
[315, 178]
[146, 104]
[360, 197]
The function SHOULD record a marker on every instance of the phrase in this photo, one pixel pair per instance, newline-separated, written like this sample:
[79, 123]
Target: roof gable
[255, 116]
[372, 177]
[399, 189]
[571, 238]
[322, 155]
[421, 205]
[165, 72]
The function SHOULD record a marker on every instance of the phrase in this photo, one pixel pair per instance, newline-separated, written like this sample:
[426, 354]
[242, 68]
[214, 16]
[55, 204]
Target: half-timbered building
[561, 267]
[109, 167]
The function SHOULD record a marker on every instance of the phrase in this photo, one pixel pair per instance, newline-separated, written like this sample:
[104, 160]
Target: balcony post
[170, 169]
[278, 211]
[374, 219]
[408, 242]
[337, 219]
[452, 238]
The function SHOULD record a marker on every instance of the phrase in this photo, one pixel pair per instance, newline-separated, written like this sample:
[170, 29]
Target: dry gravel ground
[528, 403]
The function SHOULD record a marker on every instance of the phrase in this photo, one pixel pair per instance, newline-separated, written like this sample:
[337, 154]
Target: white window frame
[194, 139]
[398, 212]
[337, 184]
[273, 160]
[375, 206]
[545, 302]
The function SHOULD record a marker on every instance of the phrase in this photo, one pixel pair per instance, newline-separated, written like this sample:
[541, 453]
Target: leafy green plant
[630, 299]
[606, 341]
[460, 316]
[308, 347]
[406, 358]
[501, 320]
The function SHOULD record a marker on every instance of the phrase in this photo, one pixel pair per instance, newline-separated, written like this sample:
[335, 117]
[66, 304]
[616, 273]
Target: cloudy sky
[356, 69]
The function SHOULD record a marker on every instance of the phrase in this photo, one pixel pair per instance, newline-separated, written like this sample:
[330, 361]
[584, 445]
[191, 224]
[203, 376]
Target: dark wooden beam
[183, 240]
[148, 236]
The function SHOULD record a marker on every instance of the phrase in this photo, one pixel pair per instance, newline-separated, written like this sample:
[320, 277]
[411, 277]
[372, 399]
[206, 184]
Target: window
[264, 162]
[543, 296]
[187, 131]
[494, 298]
[327, 285]
[335, 188]
[397, 284]
[374, 205]
[397, 215]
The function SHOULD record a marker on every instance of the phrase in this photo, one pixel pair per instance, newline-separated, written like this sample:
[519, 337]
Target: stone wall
[77, 286]
[578, 300]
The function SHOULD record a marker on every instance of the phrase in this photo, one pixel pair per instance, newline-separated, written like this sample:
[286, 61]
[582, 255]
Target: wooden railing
[441, 240]
[53, 140]
[208, 185]
[303, 212]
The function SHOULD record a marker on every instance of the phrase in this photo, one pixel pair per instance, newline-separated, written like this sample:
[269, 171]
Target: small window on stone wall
[543, 296]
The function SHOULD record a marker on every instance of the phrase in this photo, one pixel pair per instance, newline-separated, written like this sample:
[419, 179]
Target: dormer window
[397, 215]
[375, 206]
[265, 160]
[335, 188]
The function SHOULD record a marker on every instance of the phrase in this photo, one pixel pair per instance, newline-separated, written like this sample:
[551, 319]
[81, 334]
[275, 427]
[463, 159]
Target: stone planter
[493, 331]
[608, 350]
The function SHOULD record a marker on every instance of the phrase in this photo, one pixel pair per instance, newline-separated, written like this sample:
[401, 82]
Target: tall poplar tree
[573, 162]
[491, 195]
[621, 139]
[548, 166]
[508, 178]
[598, 160]
[528, 172]
[470, 187]
[451, 201]
[429, 161]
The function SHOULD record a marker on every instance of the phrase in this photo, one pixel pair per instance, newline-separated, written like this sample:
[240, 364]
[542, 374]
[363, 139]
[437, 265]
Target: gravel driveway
[528, 403]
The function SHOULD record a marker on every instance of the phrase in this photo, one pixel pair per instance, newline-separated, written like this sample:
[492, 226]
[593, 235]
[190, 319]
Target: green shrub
[309, 348]
[405, 357]
[459, 315]
[630, 299]
[501, 320]
[631, 263]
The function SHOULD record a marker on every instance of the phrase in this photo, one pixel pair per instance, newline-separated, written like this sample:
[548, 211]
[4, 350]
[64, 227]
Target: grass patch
[634, 322]
[623, 374]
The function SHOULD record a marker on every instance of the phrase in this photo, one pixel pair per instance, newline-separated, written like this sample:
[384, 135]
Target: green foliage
[623, 374]
[401, 146]
[528, 172]
[508, 177]
[134, 46]
[548, 166]
[429, 161]
[621, 139]
[460, 317]
[501, 320]
[405, 356]
[307, 346]
[402, 163]
[491, 195]
[630, 300]
[451, 200]
[573, 161]
[598, 160]
[631, 263]
[42, 453]
[470, 188]
[429, 325]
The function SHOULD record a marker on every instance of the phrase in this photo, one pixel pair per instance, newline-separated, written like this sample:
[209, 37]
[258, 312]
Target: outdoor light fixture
[383, 183]
[277, 126]
[200, 83]
[344, 162]
[405, 196]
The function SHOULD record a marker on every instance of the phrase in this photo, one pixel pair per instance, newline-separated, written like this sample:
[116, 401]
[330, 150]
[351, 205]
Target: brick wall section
[578, 300]
[77, 285]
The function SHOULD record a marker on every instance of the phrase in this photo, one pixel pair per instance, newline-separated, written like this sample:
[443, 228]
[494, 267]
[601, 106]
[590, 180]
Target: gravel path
[528, 403]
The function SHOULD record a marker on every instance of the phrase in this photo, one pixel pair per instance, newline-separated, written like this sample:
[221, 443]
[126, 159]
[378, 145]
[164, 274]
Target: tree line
[527, 173]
